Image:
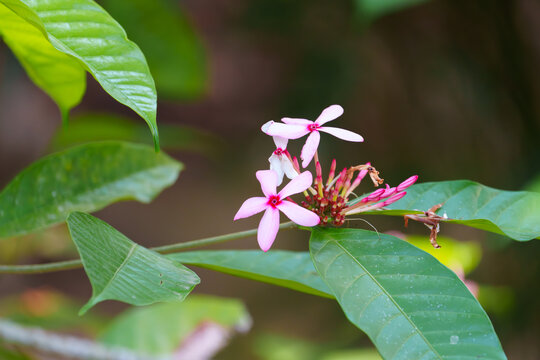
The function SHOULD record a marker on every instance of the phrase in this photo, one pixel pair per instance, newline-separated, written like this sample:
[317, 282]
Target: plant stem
[166, 249]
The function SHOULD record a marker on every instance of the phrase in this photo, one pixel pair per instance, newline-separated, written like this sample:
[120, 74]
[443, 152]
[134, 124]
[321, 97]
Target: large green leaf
[61, 76]
[408, 303]
[174, 53]
[515, 214]
[121, 270]
[82, 29]
[293, 270]
[161, 328]
[85, 178]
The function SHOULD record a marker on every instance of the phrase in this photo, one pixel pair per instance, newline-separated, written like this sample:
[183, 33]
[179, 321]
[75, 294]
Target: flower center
[274, 201]
[313, 127]
[278, 151]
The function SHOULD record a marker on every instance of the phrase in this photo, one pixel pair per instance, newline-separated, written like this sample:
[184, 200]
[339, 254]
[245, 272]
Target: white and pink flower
[292, 128]
[273, 202]
[280, 160]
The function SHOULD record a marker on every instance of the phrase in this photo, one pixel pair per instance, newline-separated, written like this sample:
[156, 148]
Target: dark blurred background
[446, 89]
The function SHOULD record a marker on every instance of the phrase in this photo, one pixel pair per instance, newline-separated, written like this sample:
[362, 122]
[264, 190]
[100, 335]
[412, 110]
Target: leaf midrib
[391, 299]
[124, 263]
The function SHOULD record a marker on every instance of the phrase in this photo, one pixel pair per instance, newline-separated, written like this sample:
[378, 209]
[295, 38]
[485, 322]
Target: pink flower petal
[298, 214]
[266, 125]
[287, 131]
[407, 183]
[310, 147]
[295, 121]
[268, 228]
[280, 142]
[296, 185]
[251, 207]
[330, 113]
[277, 166]
[288, 167]
[342, 134]
[268, 180]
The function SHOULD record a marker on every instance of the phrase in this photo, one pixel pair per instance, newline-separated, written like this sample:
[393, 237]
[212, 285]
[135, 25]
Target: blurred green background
[446, 89]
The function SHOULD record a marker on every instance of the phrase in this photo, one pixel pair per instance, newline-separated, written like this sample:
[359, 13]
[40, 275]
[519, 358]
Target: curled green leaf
[83, 30]
[121, 270]
[61, 76]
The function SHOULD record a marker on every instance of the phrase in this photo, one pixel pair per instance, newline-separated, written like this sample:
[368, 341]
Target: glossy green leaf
[173, 51]
[61, 76]
[82, 29]
[121, 270]
[293, 270]
[85, 178]
[161, 328]
[96, 127]
[373, 9]
[511, 213]
[409, 304]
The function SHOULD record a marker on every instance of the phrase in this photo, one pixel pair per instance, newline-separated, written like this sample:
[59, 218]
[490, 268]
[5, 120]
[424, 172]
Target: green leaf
[82, 29]
[511, 213]
[174, 52]
[373, 9]
[85, 178]
[95, 127]
[293, 270]
[410, 305]
[121, 270]
[160, 329]
[61, 76]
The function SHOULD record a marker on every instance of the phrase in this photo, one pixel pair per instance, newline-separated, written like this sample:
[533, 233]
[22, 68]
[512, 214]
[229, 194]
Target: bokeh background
[446, 89]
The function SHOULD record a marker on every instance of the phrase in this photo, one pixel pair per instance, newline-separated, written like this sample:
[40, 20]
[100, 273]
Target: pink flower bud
[407, 183]
[332, 172]
[393, 198]
[373, 196]
[388, 192]
[296, 165]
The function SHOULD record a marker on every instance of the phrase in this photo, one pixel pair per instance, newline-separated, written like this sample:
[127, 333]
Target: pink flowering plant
[409, 304]
[325, 202]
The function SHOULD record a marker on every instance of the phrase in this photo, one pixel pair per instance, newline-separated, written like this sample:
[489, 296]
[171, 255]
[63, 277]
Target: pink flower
[272, 203]
[296, 128]
[280, 160]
